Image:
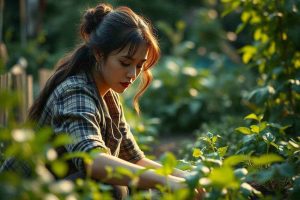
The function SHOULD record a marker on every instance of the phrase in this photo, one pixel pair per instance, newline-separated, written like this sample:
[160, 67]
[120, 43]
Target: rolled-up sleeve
[75, 113]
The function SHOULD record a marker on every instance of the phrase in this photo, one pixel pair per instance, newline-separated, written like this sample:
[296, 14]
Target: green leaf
[169, 162]
[235, 159]
[255, 129]
[252, 116]
[241, 173]
[240, 28]
[9, 99]
[60, 168]
[222, 151]
[244, 130]
[183, 165]
[214, 139]
[262, 126]
[43, 136]
[257, 34]
[260, 95]
[248, 53]
[286, 170]
[206, 139]
[180, 25]
[124, 172]
[85, 156]
[109, 172]
[255, 18]
[223, 177]
[231, 7]
[226, 1]
[245, 16]
[274, 145]
[272, 48]
[266, 159]
[264, 175]
[62, 139]
[192, 179]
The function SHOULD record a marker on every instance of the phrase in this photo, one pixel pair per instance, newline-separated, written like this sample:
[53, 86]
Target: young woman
[81, 97]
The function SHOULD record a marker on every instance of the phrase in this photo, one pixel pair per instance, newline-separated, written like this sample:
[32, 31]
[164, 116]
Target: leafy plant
[274, 53]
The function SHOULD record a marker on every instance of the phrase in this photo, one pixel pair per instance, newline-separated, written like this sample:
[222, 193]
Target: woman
[81, 97]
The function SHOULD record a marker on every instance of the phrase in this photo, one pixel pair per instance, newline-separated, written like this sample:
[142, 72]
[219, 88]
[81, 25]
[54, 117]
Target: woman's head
[106, 30]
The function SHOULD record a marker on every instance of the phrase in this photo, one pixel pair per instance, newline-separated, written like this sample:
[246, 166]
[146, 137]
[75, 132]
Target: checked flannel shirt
[75, 107]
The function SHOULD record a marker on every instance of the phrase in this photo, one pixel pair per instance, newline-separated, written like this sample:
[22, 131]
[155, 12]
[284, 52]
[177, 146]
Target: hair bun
[93, 17]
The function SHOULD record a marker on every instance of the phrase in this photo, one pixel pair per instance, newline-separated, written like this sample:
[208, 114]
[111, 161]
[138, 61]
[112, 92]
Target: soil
[171, 143]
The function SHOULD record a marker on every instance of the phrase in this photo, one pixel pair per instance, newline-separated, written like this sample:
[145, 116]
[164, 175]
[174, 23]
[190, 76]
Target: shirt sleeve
[129, 149]
[75, 113]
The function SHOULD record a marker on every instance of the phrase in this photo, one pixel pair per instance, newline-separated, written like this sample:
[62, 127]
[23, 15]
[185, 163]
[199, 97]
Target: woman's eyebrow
[130, 58]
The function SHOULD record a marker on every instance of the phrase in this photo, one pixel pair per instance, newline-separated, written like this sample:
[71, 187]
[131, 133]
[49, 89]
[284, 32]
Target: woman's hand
[199, 193]
[176, 183]
[179, 183]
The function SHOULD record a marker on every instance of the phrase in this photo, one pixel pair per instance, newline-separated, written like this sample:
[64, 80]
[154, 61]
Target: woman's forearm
[145, 162]
[148, 179]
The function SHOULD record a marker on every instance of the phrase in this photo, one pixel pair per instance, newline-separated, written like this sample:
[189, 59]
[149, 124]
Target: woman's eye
[124, 64]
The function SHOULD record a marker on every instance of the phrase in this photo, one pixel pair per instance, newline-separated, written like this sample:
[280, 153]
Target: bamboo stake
[29, 92]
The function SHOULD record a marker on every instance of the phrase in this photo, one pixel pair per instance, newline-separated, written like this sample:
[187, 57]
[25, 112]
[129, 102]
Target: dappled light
[221, 114]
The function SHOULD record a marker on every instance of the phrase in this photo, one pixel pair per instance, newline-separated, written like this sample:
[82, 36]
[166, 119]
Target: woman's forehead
[140, 53]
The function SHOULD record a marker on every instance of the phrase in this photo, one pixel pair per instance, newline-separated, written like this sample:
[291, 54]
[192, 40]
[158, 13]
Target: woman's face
[120, 70]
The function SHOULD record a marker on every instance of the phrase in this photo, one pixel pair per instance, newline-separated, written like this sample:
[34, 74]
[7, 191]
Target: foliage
[35, 152]
[56, 28]
[247, 169]
[201, 81]
[243, 175]
[274, 52]
[202, 87]
[192, 96]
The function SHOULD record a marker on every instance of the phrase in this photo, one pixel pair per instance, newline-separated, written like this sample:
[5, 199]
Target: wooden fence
[22, 83]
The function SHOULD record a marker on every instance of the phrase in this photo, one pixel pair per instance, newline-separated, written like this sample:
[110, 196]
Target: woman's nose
[132, 72]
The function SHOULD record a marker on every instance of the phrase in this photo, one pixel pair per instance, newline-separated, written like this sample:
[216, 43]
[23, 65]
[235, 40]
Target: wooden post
[22, 84]
[44, 75]
[29, 91]
[5, 85]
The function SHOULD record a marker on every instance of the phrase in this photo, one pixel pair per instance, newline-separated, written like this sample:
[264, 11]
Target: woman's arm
[145, 162]
[148, 179]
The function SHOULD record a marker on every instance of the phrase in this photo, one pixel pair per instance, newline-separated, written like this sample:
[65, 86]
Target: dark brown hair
[103, 29]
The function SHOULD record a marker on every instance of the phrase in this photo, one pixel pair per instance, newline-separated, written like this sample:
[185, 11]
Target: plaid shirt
[75, 107]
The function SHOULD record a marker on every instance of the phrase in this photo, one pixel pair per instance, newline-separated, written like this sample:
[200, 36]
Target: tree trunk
[1, 20]
[23, 22]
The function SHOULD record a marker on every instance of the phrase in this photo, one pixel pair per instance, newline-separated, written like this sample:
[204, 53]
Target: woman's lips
[125, 84]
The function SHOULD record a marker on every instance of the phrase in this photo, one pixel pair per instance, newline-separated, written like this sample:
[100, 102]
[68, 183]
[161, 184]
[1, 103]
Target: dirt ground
[171, 143]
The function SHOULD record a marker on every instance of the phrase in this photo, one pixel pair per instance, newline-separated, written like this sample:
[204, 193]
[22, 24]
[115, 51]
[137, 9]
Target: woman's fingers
[199, 193]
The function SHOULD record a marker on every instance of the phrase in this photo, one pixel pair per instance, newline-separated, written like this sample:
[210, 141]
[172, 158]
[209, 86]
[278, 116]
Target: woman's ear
[98, 55]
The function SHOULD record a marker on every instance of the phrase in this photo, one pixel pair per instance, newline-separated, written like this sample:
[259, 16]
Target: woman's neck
[98, 80]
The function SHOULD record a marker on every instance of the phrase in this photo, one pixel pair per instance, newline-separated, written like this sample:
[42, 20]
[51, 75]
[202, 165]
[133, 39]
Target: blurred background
[201, 83]
[225, 98]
